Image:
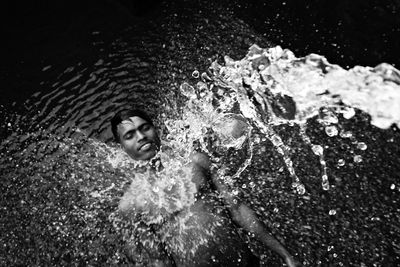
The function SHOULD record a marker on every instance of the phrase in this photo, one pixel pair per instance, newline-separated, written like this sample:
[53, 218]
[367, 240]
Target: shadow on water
[73, 68]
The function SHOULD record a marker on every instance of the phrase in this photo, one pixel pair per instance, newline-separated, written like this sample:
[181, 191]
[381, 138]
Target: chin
[149, 155]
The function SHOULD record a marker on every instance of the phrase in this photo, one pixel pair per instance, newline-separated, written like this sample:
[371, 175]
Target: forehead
[132, 123]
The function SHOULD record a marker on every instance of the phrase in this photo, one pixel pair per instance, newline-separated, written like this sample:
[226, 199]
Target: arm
[241, 213]
[246, 218]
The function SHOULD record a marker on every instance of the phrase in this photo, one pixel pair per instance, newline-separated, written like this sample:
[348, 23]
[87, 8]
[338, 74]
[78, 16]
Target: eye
[146, 127]
[128, 136]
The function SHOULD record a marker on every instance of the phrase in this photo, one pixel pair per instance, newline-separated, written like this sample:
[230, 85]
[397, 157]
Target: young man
[138, 136]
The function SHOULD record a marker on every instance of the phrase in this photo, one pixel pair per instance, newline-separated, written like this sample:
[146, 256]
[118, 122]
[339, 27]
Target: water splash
[271, 87]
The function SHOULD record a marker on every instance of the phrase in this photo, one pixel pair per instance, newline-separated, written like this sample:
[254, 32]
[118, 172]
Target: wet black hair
[124, 115]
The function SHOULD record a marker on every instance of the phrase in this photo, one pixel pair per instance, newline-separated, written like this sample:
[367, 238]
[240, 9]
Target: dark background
[348, 33]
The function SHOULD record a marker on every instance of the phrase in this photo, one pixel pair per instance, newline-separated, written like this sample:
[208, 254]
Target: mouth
[146, 146]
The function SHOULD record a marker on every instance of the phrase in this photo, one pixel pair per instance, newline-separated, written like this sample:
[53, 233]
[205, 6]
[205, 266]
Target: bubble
[361, 146]
[332, 212]
[330, 248]
[244, 186]
[341, 162]
[318, 150]
[331, 131]
[392, 186]
[195, 74]
[357, 158]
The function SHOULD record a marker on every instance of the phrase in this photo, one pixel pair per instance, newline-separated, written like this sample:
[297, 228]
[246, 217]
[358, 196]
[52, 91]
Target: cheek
[129, 145]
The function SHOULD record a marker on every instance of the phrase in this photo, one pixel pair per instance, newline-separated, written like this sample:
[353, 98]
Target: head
[136, 133]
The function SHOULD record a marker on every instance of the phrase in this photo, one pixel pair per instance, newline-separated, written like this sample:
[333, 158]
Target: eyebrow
[134, 130]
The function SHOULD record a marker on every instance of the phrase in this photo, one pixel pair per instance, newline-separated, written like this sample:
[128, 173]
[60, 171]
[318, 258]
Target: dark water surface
[67, 68]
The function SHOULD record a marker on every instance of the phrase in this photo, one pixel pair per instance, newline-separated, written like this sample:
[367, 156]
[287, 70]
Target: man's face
[138, 138]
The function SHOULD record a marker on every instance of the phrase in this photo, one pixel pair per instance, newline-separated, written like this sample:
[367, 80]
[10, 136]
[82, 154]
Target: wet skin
[138, 138]
[220, 244]
[208, 221]
[224, 247]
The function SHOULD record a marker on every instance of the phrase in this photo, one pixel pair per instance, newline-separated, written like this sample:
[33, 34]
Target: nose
[140, 135]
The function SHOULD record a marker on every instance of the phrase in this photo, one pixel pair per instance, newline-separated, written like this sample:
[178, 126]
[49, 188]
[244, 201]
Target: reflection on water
[310, 154]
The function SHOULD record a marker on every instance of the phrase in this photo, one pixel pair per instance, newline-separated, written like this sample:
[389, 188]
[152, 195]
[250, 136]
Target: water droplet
[187, 90]
[156, 189]
[330, 248]
[244, 186]
[361, 146]
[196, 74]
[345, 134]
[276, 140]
[357, 158]
[392, 186]
[276, 210]
[332, 212]
[348, 113]
[318, 150]
[205, 77]
[327, 117]
[300, 189]
[325, 185]
[9, 124]
[341, 162]
[331, 131]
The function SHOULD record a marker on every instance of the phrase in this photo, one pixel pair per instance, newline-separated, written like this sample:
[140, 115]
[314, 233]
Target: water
[323, 176]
